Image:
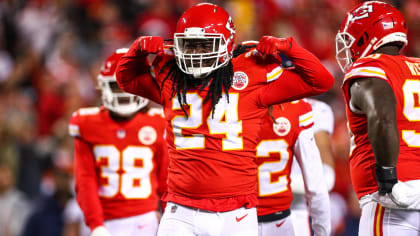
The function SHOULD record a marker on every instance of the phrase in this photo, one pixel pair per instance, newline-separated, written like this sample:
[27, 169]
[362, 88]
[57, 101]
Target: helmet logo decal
[240, 80]
[147, 135]
[361, 12]
[282, 126]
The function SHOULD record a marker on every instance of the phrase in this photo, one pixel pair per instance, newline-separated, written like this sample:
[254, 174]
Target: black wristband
[386, 177]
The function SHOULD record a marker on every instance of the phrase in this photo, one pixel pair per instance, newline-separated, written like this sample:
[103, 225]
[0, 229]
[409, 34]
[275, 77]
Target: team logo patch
[282, 127]
[121, 133]
[240, 80]
[147, 135]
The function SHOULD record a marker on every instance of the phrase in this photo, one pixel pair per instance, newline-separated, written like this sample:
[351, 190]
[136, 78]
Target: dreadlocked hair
[181, 82]
[270, 112]
[240, 49]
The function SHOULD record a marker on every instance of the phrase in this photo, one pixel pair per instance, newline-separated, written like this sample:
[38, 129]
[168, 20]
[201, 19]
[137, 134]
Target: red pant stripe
[379, 217]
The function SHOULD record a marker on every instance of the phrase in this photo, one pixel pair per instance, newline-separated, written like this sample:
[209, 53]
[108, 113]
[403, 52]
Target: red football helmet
[366, 28]
[209, 27]
[113, 98]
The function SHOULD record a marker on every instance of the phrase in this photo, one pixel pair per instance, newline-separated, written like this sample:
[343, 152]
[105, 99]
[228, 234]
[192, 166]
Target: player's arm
[133, 71]
[375, 98]
[86, 184]
[323, 129]
[308, 78]
[323, 142]
[316, 193]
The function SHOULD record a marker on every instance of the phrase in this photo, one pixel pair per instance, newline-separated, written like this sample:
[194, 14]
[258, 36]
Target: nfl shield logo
[240, 80]
[121, 133]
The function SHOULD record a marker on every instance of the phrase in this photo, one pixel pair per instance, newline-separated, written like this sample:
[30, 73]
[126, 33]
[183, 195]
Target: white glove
[100, 231]
[405, 195]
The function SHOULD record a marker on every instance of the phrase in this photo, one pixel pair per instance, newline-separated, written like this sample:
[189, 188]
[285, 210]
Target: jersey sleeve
[306, 121]
[316, 193]
[366, 67]
[74, 126]
[308, 78]
[306, 117]
[323, 116]
[86, 184]
[76, 121]
[134, 75]
[274, 72]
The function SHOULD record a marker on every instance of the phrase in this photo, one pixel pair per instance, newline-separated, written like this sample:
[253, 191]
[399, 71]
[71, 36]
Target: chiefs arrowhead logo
[147, 135]
[282, 126]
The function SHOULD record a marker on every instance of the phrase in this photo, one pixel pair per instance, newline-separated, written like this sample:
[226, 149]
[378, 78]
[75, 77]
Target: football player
[323, 128]
[381, 89]
[214, 105]
[287, 131]
[121, 160]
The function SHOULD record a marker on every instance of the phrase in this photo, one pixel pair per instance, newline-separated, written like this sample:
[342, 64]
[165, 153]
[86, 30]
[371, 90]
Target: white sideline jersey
[323, 116]
[323, 121]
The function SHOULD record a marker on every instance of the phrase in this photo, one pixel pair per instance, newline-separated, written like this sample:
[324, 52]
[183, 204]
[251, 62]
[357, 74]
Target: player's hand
[100, 231]
[270, 45]
[149, 45]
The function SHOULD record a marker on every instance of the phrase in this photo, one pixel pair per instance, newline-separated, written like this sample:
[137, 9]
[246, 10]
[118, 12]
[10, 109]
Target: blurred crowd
[51, 52]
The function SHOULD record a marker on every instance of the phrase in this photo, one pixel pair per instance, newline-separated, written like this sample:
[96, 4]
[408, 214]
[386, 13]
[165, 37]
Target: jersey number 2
[267, 186]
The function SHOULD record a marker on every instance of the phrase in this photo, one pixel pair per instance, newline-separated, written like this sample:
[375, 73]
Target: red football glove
[149, 44]
[270, 45]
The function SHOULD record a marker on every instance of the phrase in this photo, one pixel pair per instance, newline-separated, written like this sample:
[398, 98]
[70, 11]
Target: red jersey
[275, 154]
[212, 155]
[403, 75]
[120, 167]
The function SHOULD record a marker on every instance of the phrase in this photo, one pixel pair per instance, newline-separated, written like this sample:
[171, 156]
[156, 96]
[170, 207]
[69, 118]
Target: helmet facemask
[198, 53]
[343, 43]
[118, 101]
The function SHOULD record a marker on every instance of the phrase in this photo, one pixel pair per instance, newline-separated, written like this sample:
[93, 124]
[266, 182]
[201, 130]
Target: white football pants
[377, 220]
[179, 220]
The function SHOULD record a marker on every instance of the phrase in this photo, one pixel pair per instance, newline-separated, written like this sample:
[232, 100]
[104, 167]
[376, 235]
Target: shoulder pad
[365, 67]
[88, 111]
[76, 119]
